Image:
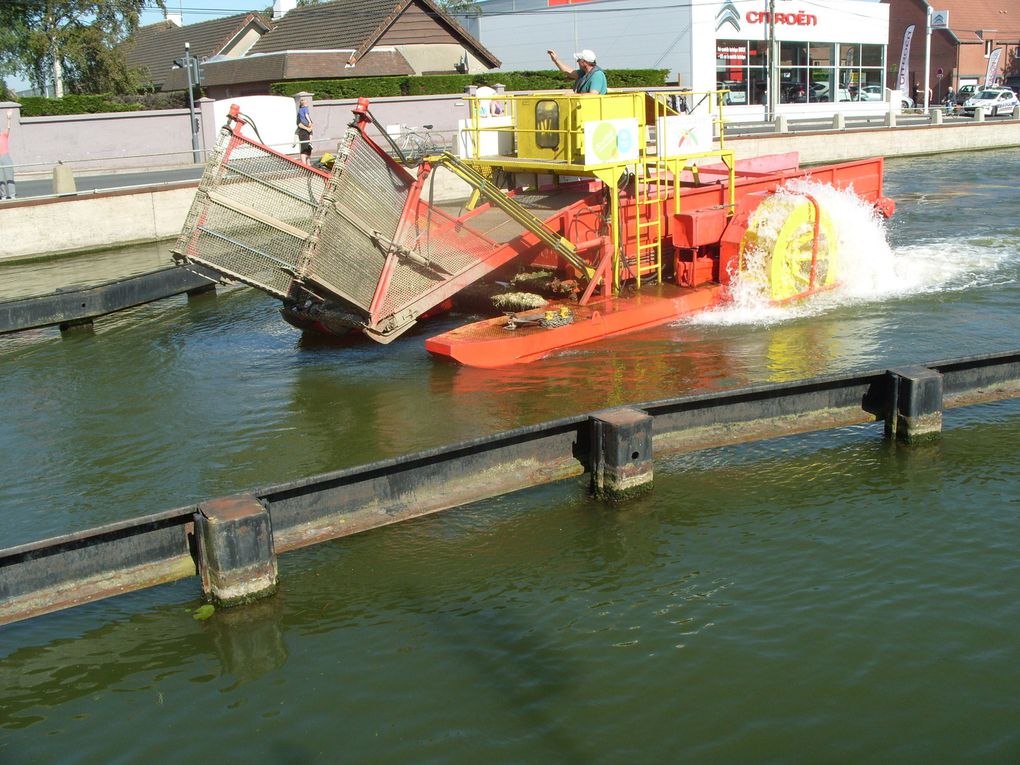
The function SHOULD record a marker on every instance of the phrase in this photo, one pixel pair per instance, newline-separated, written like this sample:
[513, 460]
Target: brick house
[976, 29]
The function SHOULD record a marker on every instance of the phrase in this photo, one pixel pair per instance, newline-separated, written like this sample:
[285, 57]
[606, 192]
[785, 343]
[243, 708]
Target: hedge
[40, 106]
[435, 84]
[351, 87]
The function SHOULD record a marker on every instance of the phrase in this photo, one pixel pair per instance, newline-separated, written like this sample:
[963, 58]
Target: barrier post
[63, 179]
[915, 412]
[621, 453]
[236, 558]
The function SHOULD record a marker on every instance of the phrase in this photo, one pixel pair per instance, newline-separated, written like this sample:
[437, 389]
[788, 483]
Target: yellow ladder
[651, 184]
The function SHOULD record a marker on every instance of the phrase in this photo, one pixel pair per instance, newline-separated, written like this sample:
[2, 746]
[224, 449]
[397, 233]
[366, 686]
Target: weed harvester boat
[633, 203]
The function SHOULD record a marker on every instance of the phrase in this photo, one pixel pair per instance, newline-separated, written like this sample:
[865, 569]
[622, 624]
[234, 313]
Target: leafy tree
[460, 6]
[92, 66]
[53, 41]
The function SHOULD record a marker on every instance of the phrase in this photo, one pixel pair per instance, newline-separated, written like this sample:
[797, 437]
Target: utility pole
[196, 154]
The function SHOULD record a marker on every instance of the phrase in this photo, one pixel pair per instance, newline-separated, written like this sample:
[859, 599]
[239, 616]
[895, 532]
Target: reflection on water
[42, 277]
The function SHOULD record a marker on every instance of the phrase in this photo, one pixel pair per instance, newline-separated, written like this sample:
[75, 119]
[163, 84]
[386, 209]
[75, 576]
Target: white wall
[274, 116]
[653, 34]
[642, 34]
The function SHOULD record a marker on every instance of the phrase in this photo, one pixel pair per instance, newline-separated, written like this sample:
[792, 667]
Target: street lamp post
[773, 73]
[927, 58]
[196, 154]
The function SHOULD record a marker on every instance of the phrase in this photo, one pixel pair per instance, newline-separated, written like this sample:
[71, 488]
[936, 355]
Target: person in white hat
[589, 78]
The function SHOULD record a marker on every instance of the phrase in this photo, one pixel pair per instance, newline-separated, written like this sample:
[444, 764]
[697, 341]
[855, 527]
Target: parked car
[792, 93]
[965, 92]
[877, 93]
[872, 93]
[994, 100]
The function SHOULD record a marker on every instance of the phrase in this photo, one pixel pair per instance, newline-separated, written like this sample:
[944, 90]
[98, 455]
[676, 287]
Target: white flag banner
[993, 67]
[901, 81]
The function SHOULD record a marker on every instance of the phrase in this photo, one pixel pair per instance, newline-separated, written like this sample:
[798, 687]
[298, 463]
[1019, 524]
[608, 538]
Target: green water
[827, 598]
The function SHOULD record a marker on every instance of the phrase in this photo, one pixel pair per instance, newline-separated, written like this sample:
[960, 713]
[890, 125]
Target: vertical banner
[993, 67]
[901, 80]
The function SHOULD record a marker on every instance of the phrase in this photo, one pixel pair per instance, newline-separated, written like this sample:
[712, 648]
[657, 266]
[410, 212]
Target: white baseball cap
[585, 55]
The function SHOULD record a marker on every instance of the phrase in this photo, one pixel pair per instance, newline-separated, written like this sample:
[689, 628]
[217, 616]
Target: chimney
[282, 7]
[176, 19]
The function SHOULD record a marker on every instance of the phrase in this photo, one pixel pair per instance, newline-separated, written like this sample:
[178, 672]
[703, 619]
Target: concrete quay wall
[55, 226]
[59, 226]
[845, 145]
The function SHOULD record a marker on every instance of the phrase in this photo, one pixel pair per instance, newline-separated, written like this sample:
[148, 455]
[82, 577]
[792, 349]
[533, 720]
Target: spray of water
[869, 268]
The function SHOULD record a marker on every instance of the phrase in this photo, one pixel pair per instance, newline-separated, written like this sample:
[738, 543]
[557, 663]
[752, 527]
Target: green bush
[431, 84]
[350, 87]
[40, 106]
[174, 99]
[436, 84]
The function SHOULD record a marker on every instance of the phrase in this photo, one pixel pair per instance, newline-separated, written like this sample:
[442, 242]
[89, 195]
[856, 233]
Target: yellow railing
[556, 133]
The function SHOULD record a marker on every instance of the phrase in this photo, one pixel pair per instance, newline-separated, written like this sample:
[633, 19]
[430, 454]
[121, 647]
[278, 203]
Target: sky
[195, 11]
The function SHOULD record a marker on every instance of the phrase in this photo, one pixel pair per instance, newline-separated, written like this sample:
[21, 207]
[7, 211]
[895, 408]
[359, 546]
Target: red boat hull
[489, 344]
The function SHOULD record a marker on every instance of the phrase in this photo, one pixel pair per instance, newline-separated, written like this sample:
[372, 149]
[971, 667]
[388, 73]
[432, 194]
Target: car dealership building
[831, 55]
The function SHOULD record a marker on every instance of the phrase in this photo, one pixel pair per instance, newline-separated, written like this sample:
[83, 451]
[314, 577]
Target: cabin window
[547, 124]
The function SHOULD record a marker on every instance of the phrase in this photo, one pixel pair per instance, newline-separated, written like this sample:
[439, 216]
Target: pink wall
[93, 141]
[138, 140]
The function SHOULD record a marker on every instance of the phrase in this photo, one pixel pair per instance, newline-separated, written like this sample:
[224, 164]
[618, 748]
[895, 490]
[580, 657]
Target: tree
[460, 6]
[92, 66]
[57, 40]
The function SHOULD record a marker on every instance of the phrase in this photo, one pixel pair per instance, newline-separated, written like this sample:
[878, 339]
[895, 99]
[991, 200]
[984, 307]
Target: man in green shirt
[589, 78]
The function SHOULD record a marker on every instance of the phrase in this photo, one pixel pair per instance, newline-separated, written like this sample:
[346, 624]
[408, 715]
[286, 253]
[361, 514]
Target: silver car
[877, 93]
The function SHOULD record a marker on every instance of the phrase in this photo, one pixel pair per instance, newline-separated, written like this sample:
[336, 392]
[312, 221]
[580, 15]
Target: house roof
[304, 65]
[967, 18]
[156, 46]
[355, 25]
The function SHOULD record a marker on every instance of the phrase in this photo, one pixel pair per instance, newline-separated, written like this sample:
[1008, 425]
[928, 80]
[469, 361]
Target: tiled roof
[157, 45]
[354, 25]
[331, 25]
[309, 65]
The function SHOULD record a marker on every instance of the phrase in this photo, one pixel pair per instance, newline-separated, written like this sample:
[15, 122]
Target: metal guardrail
[49, 575]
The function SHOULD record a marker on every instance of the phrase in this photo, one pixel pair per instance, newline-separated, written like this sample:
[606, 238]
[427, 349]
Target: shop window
[739, 64]
[872, 55]
[793, 54]
[547, 124]
[821, 54]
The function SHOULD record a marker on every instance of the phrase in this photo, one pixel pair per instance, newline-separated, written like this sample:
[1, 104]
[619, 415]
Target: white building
[831, 53]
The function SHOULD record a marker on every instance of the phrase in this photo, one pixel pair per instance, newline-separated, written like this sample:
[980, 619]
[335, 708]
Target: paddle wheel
[640, 206]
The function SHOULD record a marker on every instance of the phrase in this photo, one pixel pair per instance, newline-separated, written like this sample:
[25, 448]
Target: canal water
[823, 598]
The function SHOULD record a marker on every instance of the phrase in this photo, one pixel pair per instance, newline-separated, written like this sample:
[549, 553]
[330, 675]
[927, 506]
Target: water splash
[870, 268]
